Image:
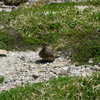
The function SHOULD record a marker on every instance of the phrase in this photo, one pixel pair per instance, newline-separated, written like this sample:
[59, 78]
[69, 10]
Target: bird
[46, 53]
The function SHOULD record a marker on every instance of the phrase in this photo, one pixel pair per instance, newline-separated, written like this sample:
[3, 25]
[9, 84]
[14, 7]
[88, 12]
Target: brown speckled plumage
[47, 54]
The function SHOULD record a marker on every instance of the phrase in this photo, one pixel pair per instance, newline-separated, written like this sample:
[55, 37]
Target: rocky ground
[25, 67]
[6, 8]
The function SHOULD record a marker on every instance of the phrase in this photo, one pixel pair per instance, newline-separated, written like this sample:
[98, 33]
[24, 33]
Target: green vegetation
[66, 88]
[1, 79]
[64, 26]
[6, 40]
[67, 28]
[94, 2]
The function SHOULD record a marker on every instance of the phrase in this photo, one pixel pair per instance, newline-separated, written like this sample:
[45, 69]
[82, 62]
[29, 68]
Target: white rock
[90, 61]
[64, 71]
[3, 52]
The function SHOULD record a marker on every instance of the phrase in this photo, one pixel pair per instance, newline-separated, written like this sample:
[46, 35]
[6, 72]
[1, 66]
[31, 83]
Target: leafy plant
[1, 79]
[6, 40]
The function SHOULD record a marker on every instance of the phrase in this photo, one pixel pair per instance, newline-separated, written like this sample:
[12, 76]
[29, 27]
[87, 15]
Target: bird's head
[44, 45]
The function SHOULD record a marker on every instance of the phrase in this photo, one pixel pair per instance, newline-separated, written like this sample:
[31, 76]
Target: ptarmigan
[47, 53]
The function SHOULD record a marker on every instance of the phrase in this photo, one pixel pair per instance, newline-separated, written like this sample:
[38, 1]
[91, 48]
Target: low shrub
[85, 46]
[1, 79]
[94, 2]
[6, 40]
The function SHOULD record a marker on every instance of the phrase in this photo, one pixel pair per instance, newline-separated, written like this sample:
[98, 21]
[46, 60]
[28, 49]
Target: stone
[90, 61]
[64, 71]
[95, 68]
[35, 75]
[99, 64]
[3, 52]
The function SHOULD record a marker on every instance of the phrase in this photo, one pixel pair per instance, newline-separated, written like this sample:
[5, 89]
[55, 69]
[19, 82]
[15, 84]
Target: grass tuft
[66, 88]
[1, 79]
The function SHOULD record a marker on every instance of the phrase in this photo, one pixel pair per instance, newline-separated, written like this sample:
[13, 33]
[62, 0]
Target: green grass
[94, 2]
[62, 88]
[63, 26]
[1, 79]
[5, 40]
[61, 5]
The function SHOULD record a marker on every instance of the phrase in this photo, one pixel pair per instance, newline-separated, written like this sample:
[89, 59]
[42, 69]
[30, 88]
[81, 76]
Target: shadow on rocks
[43, 61]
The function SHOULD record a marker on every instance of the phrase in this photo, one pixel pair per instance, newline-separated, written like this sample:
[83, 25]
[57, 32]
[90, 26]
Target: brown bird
[46, 53]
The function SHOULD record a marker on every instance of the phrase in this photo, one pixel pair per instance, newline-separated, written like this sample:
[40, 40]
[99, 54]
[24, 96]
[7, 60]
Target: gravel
[20, 68]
